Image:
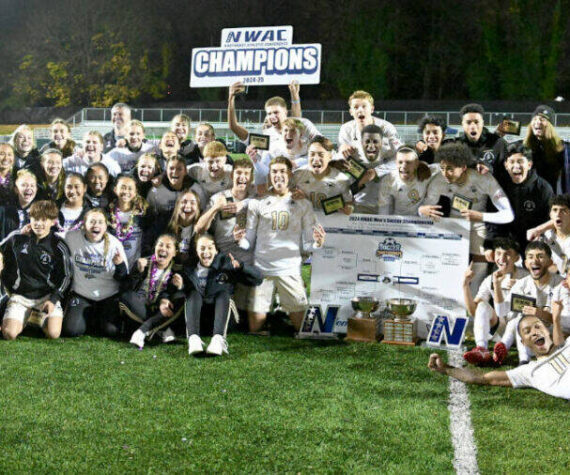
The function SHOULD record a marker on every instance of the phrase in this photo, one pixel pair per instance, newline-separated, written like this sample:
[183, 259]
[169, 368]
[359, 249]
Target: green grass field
[274, 405]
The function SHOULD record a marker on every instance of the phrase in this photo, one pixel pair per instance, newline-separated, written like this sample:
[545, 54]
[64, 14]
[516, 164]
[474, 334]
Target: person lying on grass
[549, 373]
[208, 287]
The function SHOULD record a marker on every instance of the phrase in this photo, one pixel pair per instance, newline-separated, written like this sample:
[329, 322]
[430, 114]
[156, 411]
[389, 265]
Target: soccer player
[61, 140]
[350, 142]
[37, 273]
[558, 238]
[279, 229]
[402, 191]
[538, 285]
[15, 215]
[550, 372]
[136, 146]
[120, 117]
[180, 125]
[6, 173]
[491, 320]
[92, 153]
[432, 129]
[214, 174]
[318, 181]
[26, 155]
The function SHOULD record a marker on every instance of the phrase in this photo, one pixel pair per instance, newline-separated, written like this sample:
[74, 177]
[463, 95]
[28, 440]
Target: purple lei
[62, 229]
[154, 284]
[5, 182]
[123, 233]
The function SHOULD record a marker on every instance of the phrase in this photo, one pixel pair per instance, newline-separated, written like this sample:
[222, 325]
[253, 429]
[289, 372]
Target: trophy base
[362, 329]
[400, 332]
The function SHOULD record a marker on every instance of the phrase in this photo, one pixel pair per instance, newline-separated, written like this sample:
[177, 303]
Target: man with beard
[550, 372]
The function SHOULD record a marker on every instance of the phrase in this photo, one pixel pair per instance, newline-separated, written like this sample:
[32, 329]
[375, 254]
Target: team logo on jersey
[222, 278]
[488, 156]
[529, 205]
[389, 250]
[24, 249]
[414, 196]
[45, 258]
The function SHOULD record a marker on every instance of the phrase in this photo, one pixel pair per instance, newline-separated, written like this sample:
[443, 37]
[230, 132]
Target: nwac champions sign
[256, 56]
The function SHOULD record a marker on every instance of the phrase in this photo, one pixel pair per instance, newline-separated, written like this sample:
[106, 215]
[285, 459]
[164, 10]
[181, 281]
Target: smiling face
[164, 251]
[215, 166]
[452, 173]
[319, 159]
[538, 126]
[52, 163]
[146, 168]
[175, 173]
[407, 165]
[472, 123]
[24, 142]
[92, 147]
[97, 181]
[95, 226]
[59, 135]
[135, 136]
[188, 207]
[41, 226]
[292, 137]
[169, 144]
[361, 111]
[518, 167]
[372, 146]
[206, 250]
[126, 190]
[276, 115]
[279, 176]
[204, 136]
[26, 189]
[537, 263]
[120, 116]
[432, 135]
[560, 215]
[505, 259]
[74, 190]
[535, 335]
[6, 158]
[181, 128]
[241, 177]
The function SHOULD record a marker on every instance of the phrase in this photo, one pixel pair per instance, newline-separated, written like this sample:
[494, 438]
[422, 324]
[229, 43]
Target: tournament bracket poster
[390, 257]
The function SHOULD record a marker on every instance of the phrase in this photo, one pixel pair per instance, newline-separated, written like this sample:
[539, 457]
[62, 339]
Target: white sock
[510, 332]
[482, 324]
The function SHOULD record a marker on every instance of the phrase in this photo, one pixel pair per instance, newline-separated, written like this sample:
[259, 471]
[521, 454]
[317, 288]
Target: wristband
[296, 102]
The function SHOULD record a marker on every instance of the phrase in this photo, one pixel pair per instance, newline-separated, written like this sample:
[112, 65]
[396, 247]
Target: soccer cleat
[138, 339]
[217, 346]
[168, 335]
[195, 345]
[500, 352]
[478, 356]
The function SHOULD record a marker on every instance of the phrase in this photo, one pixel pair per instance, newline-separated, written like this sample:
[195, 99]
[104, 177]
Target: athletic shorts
[26, 310]
[291, 290]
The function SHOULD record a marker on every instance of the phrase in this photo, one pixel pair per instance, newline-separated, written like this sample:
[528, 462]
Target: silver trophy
[364, 306]
[401, 308]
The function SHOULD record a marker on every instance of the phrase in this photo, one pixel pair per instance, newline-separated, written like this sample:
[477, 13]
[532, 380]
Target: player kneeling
[36, 272]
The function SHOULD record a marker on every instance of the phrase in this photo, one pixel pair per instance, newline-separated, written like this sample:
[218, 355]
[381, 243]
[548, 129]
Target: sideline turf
[274, 405]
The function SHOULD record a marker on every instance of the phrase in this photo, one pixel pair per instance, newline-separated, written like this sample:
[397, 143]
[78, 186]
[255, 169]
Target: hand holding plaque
[461, 203]
[259, 141]
[355, 169]
[518, 302]
[332, 204]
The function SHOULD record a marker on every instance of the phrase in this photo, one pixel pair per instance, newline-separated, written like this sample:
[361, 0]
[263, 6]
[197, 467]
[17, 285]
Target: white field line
[465, 450]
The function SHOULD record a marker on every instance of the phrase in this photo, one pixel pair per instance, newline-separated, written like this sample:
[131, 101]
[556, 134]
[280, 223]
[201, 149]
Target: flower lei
[155, 285]
[62, 229]
[123, 233]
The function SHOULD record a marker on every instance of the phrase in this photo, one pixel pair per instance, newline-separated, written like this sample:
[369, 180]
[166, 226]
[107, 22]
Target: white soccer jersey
[562, 295]
[551, 374]
[92, 269]
[560, 249]
[350, 134]
[486, 292]
[317, 189]
[127, 159]
[398, 197]
[262, 164]
[276, 141]
[281, 226]
[77, 164]
[224, 228]
[543, 295]
[200, 173]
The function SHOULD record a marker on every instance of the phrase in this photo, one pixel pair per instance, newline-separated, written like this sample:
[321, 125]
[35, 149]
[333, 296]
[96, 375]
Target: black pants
[149, 314]
[94, 316]
[198, 313]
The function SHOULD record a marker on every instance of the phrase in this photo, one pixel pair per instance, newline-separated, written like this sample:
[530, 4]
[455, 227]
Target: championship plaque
[362, 326]
[37, 318]
[461, 203]
[511, 127]
[333, 204]
[225, 214]
[355, 169]
[400, 330]
[259, 141]
[518, 302]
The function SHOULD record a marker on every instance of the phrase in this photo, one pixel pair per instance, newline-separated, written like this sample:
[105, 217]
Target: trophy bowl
[401, 308]
[364, 306]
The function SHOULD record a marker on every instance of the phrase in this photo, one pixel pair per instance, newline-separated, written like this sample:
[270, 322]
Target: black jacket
[136, 279]
[222, 277]
[12, 218]
[34, 269]
[490, 150]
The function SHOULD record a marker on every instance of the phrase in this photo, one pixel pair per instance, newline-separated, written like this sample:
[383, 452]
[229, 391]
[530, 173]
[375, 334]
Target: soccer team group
[124, 233]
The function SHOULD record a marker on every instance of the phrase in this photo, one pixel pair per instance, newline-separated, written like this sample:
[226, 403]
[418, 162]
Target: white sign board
[390, 257]
[256, 56]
